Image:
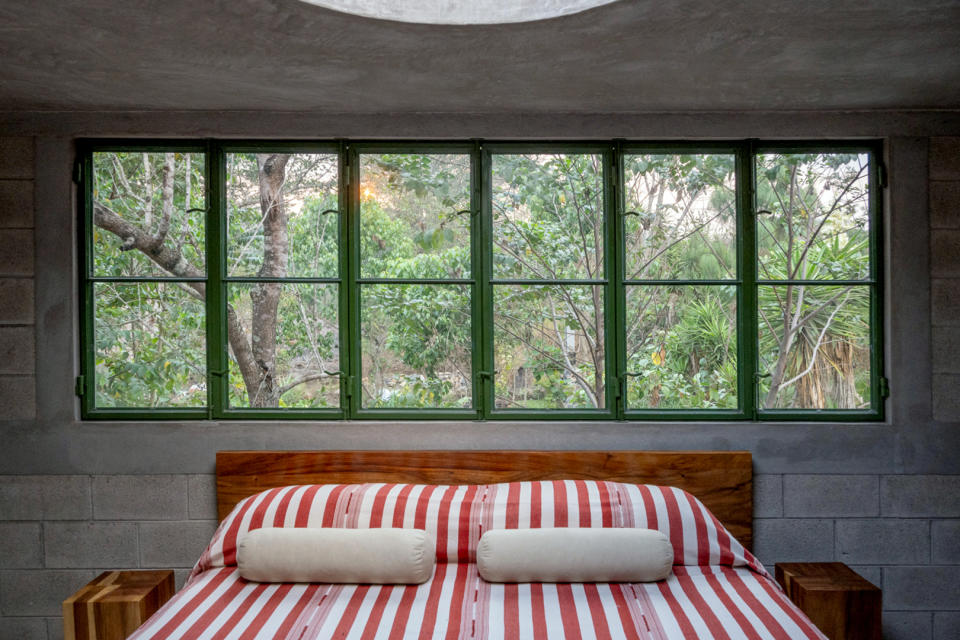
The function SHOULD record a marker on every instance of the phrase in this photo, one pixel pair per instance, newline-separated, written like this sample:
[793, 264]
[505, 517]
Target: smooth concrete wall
[80, 497]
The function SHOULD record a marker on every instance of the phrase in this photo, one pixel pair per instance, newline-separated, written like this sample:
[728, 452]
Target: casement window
[481, 280]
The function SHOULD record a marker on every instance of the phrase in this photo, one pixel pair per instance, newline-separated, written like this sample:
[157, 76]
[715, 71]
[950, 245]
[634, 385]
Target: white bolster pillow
[574, 555]
[343, 556]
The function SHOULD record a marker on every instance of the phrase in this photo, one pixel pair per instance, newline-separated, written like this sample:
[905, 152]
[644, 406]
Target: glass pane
[813, 216]
[682, 340]
[682, 220]
[814, 346]
[148, 214]
[415, 346]
[150, 345]
[413, 218]
[282, 218]
[548, 216]
[548, 347]
[284, 345]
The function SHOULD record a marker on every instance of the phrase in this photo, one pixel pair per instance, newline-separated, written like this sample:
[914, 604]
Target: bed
[701, 500]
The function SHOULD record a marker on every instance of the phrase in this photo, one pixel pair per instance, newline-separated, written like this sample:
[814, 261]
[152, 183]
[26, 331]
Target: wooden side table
[842, 604]
[115, 603]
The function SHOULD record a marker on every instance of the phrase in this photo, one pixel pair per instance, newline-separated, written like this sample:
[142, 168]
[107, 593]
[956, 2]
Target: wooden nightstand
[841, 603]
[115, 604]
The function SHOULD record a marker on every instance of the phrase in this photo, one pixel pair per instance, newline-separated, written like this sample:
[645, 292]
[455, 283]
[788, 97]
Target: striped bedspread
[695, 602]
[718, 589]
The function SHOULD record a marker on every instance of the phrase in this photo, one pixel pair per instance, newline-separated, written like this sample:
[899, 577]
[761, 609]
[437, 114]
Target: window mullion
[484, 276]
[747, 273]
[350, 296]
[216, 304]
[614, 296]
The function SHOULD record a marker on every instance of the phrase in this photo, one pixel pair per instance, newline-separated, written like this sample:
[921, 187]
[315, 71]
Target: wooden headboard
[722, 480]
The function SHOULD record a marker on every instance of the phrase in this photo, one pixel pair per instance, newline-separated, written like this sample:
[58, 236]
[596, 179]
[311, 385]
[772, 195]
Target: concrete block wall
[79, 498]
[17, 351]
[59, 531]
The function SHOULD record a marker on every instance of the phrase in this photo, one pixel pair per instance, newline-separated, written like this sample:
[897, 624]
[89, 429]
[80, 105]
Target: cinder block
[20, 545]
[23, 629]
[830, 496]
[180, 577]
[140, 497]
[16, 204]
[17, 350]
[921, 588]
[174, 544]
[944, 158]
[16, 157]
[16, 301]
[945, 205]
[928, 496]
[767, 496]
[883, 541]
[907, 625]
[202, 493]
[45, 497]
[55, 628]
[39, 593]
[103, 545]
[18, 397]
[946, 397]
[946, 349]
[945, 253]
[792, 540]
[946, 625]
[16, 252]
[945, 542]
[945, 302]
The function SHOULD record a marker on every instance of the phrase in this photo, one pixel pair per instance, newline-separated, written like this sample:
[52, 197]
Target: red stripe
[751, 601]
[455, 616]
[191, 605]
[423, 503]
[376, 512]
[513, 506]
[696, 599]
[230, 536]
[463, 525]
[788, 608]
[271, 605]
[723, 540]
[676, 524]
[583, 502]
[568, 611]
[724, 597]
[703, 540]
[433, 599]
[330, 508]
[280, 515]
[306, 502]
[678, 614]
[537, 611]
[560, 516]
[376, 615]
[600, 624]
[350, 613]
[626, 619]
[606, 512]
[535, 503]
[443, 522]
[649, 507]
[256, 520]
[403, 613]
[511, 611]
[400, 505]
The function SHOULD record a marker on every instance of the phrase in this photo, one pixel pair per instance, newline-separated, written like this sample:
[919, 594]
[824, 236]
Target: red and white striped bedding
[717, 590]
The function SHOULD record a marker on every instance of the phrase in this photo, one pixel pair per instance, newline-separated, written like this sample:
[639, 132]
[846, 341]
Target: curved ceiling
[626, 56]
[451, 12]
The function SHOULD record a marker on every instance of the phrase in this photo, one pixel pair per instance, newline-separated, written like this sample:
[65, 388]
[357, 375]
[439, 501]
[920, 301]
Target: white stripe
[410, 509]
[551, 606]
[582, 609]
[525, 605]
[547, 515]
[759, 628]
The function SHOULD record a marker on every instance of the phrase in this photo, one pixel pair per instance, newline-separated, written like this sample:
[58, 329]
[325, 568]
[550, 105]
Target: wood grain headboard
[722, 480]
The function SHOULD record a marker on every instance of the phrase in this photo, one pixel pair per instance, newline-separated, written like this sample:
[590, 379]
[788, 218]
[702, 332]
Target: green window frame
[760, 211]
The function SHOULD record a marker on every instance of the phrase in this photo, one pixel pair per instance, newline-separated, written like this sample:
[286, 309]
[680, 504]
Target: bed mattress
[694, 602]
